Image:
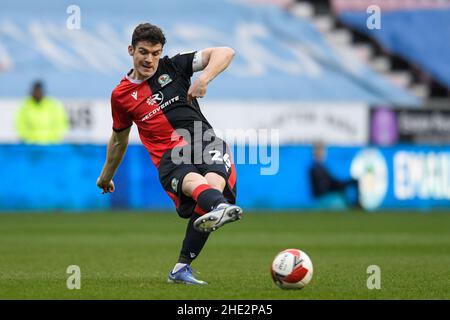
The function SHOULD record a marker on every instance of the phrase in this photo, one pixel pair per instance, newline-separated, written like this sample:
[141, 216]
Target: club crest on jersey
[164, 79]
[157, 98]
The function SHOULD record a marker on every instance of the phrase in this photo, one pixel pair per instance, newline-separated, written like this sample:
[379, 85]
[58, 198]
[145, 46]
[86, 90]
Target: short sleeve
[121, 119]
[183, 62]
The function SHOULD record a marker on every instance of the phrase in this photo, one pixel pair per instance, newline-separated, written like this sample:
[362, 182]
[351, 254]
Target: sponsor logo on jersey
[164, 79]
[134, 95]
[157, 98]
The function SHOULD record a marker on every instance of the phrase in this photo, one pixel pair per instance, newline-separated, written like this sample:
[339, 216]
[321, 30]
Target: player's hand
[197, 89]
[106, 186]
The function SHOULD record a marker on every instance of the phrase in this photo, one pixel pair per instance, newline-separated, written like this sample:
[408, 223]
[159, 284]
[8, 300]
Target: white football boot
[213, 220]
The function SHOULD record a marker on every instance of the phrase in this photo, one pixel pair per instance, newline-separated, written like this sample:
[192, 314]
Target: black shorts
[175, 165]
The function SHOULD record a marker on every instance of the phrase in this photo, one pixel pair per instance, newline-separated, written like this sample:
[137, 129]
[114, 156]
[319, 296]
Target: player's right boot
[213, 220]
[184, 275]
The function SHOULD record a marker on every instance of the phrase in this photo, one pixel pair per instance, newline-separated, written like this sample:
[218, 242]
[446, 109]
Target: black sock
[207, 198]
[193, 242]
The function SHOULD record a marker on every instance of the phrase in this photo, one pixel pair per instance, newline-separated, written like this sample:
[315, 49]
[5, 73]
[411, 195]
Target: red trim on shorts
[232, 178]
[174, 198]
[199, 190]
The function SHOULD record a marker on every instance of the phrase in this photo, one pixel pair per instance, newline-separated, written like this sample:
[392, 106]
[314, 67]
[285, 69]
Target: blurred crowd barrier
[400, 157]
[287, 88]
[241, 122]
[63, 178]
[411, 29]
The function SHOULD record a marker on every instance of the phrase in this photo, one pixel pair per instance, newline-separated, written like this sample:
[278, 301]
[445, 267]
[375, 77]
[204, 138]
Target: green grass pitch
[126, 255]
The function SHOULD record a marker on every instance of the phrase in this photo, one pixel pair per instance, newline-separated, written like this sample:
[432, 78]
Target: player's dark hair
[148, 32]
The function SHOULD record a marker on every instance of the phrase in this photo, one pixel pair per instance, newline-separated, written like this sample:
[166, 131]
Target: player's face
[145, 58]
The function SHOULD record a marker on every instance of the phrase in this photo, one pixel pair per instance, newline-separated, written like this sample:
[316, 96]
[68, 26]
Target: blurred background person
[329, 191]
[41, 119]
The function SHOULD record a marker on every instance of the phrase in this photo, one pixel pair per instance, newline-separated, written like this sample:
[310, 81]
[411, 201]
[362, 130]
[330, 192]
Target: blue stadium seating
[279, 56]
[418, 35]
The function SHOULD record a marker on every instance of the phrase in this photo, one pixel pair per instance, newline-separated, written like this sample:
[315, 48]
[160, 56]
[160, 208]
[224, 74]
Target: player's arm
[212, 61]
[117, 146]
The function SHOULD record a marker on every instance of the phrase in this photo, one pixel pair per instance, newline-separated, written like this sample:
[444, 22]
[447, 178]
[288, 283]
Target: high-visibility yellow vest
[45, 122]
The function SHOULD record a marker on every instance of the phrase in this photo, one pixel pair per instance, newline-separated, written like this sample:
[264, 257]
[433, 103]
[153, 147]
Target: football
[291, 269]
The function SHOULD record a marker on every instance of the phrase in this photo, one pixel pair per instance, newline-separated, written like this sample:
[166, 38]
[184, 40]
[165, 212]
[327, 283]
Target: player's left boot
[213, 220]
[185, 275]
